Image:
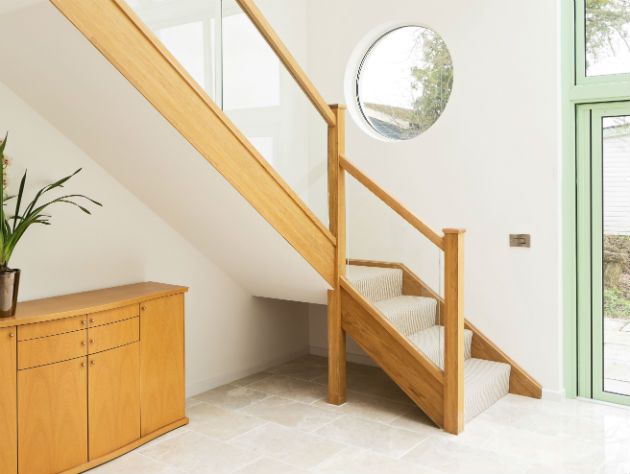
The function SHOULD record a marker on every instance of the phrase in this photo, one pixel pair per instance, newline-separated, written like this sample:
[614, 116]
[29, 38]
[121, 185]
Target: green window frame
[578, 90]
[590, 222]
[580, 56]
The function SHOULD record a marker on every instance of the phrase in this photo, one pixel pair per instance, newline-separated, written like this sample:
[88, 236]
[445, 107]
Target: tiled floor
[278, 422]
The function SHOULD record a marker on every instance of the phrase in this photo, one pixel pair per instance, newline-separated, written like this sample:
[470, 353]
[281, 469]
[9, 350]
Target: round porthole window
[404, 82]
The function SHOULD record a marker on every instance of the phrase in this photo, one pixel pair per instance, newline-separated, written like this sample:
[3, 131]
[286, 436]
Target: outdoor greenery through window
[404, 82]
[607, 37]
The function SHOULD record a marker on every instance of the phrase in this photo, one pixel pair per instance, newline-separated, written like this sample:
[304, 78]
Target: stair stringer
[521, 383]
[131, 48]
[414, 373]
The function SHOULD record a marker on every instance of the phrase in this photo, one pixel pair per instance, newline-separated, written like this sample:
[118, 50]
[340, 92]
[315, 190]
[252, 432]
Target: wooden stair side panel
[521, 383]
[125, 42]
[418, 377]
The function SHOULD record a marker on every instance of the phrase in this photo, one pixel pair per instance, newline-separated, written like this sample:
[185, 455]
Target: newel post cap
[449, 230]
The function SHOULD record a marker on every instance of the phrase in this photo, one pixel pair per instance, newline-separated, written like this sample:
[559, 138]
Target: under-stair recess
[419, 336]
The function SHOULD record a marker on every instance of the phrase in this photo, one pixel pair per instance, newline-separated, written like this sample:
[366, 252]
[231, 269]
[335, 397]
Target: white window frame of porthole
[357, 57]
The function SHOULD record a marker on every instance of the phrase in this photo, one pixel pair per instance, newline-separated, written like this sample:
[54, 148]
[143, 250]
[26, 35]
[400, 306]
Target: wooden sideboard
[87, 377]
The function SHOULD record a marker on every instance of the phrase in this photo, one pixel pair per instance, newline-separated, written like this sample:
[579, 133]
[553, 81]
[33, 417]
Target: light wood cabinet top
[59, 307]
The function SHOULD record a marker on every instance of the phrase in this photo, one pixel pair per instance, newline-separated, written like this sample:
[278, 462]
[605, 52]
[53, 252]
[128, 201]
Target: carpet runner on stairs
[417, 318]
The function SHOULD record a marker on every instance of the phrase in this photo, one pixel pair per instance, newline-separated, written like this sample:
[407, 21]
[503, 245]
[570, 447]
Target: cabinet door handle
[11, 334]
[92, 320]
[143, 308]
[83, 343]
[83, 322]
[92, 362]
[91, 341]
[82, 364]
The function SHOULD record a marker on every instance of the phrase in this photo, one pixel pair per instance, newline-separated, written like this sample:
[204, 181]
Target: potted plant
[14, 224]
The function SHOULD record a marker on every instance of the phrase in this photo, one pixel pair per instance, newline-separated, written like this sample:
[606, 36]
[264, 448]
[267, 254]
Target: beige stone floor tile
[135, 463]
[231, 396]
[454, 458]
[377, 384]
[564, 451]
[366, 434]
[289, 387]
[250, 379]
[291, 413]
[306, 368]
[360, 461]
[414, 419]
[366, 406]
[220, 423]
[164, 437]
[287, 445]
[198, 454]
[191, 402]
[270, 466]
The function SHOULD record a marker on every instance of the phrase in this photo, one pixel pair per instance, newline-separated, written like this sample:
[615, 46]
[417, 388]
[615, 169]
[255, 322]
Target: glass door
[604, 242]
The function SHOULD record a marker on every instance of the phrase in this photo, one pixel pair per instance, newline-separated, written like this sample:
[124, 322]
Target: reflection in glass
[404, 82]
[251, 69]
[190, 30]
[607, 37]
[186, 43]
[616, 221]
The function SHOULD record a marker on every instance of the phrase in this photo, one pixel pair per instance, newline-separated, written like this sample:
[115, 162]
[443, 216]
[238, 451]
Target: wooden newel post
[337, 213]
[454, 330]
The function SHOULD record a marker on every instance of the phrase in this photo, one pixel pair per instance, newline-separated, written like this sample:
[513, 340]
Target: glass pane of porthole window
[404, 82]
[607, 37]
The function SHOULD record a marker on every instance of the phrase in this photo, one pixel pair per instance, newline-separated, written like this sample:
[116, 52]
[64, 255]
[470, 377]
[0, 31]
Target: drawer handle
[92, 320]
[83, 322]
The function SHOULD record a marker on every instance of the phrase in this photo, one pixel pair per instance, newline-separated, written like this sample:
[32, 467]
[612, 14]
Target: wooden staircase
[115, 30]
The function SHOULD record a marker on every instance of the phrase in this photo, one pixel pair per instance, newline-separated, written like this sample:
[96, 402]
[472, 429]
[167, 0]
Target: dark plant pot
[9, 286]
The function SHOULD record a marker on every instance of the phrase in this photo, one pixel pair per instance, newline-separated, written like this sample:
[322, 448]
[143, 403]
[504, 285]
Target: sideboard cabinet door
[52, 417]
[162, 393]
[114, 394]
[8, 404]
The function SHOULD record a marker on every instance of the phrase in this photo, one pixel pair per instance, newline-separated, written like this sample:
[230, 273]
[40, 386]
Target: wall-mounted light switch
[520, 240]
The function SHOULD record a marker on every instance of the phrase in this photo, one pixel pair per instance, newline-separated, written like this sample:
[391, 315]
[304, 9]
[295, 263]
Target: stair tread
[431, 343]
[485, 382]
[409, 314]
[375, 283]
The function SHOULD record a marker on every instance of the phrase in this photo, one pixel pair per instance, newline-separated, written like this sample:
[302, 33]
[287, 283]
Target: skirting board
[196, 388]
[553, 395]
[350, 356]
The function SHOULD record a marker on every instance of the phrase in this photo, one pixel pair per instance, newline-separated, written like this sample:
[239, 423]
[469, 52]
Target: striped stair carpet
[416, 317]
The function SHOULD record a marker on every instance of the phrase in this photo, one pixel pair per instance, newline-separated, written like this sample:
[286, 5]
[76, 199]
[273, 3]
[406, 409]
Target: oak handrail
[396, 206]
[274, 41]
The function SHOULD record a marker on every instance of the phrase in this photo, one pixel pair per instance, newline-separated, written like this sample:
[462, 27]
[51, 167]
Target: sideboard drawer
[51, 328]
[113, 315]
[118, 334]
[48, 350]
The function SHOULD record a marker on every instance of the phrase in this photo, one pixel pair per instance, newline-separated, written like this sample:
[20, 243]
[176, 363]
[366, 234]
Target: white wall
[490, 164]
[229, 333]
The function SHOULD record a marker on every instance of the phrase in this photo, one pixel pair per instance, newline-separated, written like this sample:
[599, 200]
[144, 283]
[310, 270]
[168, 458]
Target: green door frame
[590, 249]
[577, 89]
